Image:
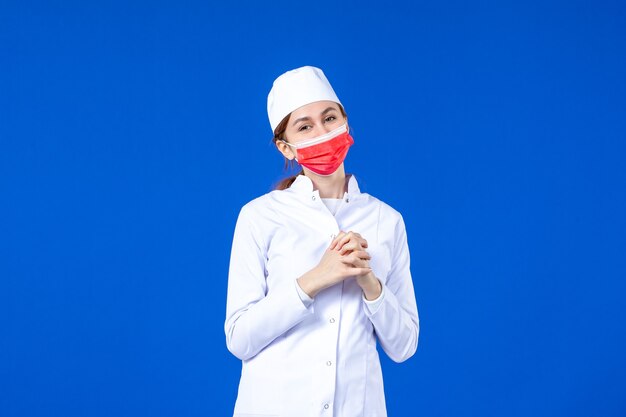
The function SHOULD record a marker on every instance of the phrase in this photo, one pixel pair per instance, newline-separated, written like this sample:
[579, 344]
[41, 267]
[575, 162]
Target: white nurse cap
[295, 89]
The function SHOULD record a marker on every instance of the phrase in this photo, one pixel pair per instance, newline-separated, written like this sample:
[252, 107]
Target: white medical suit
[304, 357]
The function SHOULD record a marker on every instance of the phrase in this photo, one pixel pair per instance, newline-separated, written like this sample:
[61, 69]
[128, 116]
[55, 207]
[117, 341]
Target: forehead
[313, 109]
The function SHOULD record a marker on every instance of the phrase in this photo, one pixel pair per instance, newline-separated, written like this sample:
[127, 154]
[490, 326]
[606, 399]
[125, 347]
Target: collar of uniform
[303, 185]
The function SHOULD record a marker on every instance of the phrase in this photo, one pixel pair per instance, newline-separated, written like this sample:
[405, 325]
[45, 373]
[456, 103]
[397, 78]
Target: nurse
[319, 272]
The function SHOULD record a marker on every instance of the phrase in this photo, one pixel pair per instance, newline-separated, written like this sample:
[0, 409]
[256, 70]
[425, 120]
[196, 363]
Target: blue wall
[132, 132]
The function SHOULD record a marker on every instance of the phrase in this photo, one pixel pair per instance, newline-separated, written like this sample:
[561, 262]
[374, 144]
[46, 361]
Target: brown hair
[279, 134]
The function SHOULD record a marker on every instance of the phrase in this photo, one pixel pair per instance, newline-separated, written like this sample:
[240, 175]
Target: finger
[350, 246]
[359, 253]
[355, 259]
[358, 271]
[359, 238]
[349, 260]
[349, 237]
[342, 241]
[354, 245]
[356, 237]
[333, 244]
[361, 263]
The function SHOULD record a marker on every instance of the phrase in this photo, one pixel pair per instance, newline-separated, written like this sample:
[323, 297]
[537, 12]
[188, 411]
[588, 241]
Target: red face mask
[324, 154]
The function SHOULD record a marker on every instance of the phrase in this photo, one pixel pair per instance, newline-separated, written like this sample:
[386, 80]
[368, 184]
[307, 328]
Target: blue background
[132, 132]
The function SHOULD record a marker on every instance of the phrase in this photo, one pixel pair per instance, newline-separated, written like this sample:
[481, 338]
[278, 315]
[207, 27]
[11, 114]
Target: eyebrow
[308, 118]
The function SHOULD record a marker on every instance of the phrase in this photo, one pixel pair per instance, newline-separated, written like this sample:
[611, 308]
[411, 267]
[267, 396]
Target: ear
[285, 150]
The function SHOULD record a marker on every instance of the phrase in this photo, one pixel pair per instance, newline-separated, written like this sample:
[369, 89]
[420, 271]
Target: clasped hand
[345, 257]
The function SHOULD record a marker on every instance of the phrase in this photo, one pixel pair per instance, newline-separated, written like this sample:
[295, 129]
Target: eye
[304, 127]
[330, 119]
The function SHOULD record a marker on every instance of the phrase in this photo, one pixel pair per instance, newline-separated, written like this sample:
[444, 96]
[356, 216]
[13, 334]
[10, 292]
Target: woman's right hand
[334, 268]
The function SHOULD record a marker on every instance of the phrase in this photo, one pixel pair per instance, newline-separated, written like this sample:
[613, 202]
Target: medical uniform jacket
[315, 358]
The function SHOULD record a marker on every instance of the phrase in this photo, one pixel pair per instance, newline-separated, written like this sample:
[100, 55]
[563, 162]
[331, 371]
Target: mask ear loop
[295, 154]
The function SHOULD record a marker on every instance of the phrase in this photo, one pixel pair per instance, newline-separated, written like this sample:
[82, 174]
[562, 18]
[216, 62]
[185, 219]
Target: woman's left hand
[348, 242]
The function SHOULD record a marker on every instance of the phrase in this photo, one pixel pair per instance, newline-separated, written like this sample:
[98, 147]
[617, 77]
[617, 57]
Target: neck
[331, 186]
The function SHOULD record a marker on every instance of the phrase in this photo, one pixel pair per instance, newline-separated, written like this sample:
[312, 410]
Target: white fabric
[372, 305]
[306, 300]
[296, 88]
[333, 204]
[320, 360]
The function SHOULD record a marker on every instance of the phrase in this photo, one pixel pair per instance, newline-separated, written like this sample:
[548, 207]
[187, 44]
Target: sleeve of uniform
[254, 315]
[394, 315]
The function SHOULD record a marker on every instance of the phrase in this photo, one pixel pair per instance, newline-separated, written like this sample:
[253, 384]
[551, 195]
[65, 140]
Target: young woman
[319, 272]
